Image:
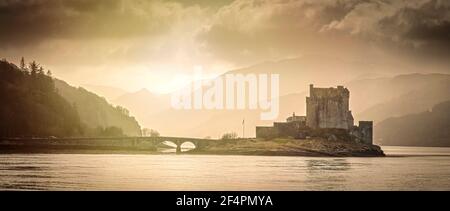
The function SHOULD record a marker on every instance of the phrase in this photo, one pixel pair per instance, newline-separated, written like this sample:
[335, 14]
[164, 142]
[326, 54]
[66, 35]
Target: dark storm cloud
[32, 21]
[430, 22]
[254, 29]
[238, 32]
[418, 27]
[430, 32]
[425, 29]
[260, 28]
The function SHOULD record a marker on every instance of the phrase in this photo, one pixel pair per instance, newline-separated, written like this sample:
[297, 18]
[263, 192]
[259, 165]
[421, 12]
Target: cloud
[86, 32]
[79, 36]
[34, 21]
[253, 29]
[248, 30]
[423, 28]
[243, 31]
[397, 21]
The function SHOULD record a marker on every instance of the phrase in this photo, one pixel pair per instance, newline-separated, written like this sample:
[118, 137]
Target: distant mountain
[31, 106]
[429, 128]
[378, 99]
[143, 103]
[322, 71]
[95, 111]
[374, 95]
[108, 92]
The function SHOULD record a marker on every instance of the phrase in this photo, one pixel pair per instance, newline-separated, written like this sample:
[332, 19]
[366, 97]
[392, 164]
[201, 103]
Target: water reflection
[328, 164]
[328, 172]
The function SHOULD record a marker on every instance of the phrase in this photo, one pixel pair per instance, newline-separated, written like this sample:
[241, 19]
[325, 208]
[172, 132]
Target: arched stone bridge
[178, 141]
[133, 143]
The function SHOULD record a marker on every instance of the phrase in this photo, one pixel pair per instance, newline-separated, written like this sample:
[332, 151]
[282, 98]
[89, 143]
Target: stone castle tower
[328, 108]
[325, 108]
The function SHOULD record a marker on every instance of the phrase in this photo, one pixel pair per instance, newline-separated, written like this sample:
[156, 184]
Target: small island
[290, 147]
[327, 130]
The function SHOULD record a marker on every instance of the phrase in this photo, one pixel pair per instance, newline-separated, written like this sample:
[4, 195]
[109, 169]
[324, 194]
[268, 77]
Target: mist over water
[405, 168]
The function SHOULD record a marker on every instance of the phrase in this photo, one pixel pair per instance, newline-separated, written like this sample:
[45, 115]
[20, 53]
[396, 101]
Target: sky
[134, 44]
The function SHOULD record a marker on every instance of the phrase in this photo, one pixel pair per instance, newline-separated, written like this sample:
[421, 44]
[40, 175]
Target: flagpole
[243, 128]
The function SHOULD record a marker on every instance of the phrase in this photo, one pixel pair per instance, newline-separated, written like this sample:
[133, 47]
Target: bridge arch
[169, 143]
[179, 145]
[176, 142]
[189, 145]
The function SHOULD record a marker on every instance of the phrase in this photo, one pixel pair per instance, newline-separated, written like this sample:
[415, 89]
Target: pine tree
[33, 68]
[23, 67]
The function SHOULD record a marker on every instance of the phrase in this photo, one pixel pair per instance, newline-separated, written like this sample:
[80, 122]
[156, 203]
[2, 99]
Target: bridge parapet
[133, 143]
[199, 143]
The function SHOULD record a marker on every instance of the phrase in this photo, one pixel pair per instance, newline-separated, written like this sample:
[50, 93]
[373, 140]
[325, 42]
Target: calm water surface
[405, 168]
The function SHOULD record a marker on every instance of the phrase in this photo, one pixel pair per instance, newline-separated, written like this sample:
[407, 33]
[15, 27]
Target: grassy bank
[290, 147]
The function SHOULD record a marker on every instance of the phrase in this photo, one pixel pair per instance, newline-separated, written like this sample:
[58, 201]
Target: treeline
[32, 107]
[95, 112]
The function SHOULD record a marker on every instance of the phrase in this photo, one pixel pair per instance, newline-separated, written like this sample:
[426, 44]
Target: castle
[327, 116]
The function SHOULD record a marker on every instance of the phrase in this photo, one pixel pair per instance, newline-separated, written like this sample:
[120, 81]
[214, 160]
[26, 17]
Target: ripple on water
[209, 172]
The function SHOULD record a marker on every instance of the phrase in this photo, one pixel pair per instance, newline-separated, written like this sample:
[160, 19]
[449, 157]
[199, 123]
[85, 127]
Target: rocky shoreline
[291, 147]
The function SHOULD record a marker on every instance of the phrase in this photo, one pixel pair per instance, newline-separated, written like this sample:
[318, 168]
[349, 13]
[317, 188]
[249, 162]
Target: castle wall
[363, 133]
[328, 108]
[366, 130]
[266, 132]
[295, 129]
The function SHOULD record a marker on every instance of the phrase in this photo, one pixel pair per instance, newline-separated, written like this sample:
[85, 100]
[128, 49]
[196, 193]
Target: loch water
[404, 168]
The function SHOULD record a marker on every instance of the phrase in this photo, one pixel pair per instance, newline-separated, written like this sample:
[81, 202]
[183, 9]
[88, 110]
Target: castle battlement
[331, 92]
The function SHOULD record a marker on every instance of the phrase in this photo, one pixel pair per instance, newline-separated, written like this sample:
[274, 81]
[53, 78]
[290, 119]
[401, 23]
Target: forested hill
[36, 105]
[31, 106]
[95, 111]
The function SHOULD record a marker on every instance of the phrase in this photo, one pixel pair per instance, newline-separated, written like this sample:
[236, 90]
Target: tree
[34, 67]
[112, 132]
[229, 136]
[145, 132]
[23, 66]
[150, 132]
[154, 133]
[123, 110]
